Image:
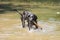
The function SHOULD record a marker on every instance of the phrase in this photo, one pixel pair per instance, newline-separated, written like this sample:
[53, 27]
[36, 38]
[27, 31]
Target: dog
[30, 17]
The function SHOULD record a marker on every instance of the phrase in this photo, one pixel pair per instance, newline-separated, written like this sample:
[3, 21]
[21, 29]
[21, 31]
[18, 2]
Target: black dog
[31, 18]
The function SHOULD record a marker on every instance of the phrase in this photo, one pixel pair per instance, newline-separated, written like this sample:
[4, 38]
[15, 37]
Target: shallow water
[11, 29]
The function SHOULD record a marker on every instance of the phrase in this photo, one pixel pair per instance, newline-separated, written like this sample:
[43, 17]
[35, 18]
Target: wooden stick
[19, 12]
[37, 24]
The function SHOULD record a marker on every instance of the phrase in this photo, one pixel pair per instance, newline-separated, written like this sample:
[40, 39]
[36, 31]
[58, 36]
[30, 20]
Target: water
[12, 30]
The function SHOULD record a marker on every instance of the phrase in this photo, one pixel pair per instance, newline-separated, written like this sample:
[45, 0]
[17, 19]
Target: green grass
[44, 12]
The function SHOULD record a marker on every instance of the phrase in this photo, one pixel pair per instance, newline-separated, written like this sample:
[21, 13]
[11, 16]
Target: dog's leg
[23, 22]
[29, 24]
